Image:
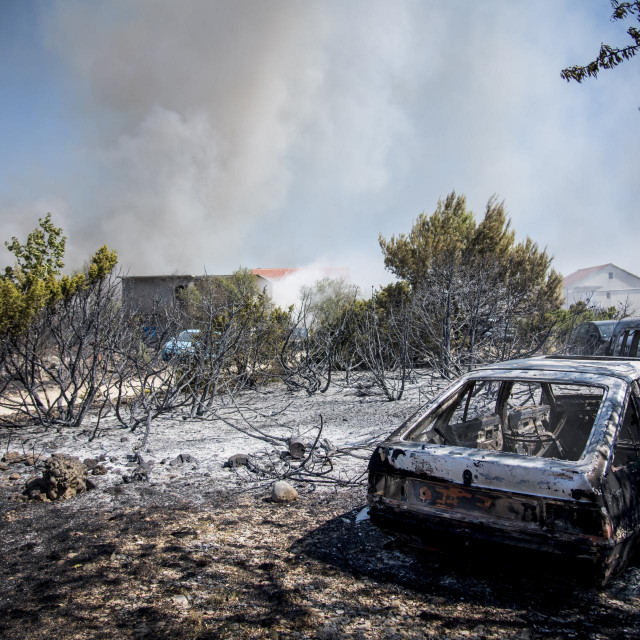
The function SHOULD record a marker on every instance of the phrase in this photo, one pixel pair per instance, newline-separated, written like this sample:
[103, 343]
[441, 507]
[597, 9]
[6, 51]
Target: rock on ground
[63, 477]
[283, 492]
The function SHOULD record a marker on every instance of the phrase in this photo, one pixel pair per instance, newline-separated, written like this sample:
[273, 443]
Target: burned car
[542, 453]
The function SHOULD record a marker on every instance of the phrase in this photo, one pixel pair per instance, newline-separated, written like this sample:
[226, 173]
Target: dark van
[625, 338]
[591, 338]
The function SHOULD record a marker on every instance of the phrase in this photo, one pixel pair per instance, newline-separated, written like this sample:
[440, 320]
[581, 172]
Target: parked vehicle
[591, 338]
[541, 453]
[625, 338]
[183, 344]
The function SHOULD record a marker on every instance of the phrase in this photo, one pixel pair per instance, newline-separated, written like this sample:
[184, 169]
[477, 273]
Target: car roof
[627, 369]
[599, 323]
[604, 327]
[628, 322]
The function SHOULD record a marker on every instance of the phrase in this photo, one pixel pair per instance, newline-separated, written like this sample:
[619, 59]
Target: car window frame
[610, 384]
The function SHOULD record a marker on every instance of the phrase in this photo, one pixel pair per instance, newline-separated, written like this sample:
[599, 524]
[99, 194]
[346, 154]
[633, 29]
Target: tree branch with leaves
[610, 57]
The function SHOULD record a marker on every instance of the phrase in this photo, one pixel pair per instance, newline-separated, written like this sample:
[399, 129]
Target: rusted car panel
[559, 473]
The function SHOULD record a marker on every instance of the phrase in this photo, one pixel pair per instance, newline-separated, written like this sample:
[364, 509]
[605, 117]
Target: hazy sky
[206, 134]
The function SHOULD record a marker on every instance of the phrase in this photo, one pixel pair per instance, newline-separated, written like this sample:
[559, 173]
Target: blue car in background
[183, 344]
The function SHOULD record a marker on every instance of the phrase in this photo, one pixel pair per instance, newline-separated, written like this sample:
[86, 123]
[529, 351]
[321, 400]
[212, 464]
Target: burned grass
[186, 561]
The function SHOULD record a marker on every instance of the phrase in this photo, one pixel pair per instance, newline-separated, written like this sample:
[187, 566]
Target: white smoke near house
[287, 290]
[198, 104]
[206, 112]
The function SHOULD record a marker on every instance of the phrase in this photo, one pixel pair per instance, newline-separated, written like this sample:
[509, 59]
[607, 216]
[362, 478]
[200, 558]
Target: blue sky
[37, 127]
[204, 135]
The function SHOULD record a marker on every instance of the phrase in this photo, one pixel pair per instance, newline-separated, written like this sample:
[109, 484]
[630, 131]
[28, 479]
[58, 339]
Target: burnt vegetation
[467, 294]
[144, 563]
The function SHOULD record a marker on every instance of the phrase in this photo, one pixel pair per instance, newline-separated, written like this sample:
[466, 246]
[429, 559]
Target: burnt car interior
[542, 419]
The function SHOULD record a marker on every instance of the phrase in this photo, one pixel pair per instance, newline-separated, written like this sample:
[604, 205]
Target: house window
[610, 275]
[608, 295]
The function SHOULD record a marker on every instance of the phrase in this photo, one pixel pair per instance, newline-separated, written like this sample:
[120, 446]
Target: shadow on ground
[144, 562]
[549, 596]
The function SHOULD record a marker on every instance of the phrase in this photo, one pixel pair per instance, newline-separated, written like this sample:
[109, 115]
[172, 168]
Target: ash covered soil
[199, 551]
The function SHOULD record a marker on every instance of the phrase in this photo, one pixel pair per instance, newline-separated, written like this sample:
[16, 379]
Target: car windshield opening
[529, 418]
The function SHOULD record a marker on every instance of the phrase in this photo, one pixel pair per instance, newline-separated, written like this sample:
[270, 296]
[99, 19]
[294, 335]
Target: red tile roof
[325, 272]
[580, 274]
[274, 274]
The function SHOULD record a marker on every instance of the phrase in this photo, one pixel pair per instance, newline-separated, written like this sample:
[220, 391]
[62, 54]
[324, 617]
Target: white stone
[363, 515]
[283, 492]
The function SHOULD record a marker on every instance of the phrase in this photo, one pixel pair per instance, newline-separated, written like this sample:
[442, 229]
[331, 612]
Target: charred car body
[541, 453]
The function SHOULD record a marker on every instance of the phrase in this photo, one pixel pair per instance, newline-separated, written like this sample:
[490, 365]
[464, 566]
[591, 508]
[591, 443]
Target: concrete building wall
[149, 294]
[152, 294]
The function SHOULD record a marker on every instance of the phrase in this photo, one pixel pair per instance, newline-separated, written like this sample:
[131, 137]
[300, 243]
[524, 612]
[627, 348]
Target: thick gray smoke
[274, 133]
[197, 105]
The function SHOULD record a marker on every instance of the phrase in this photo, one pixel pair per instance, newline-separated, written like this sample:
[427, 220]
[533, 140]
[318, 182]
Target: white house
[605, 286]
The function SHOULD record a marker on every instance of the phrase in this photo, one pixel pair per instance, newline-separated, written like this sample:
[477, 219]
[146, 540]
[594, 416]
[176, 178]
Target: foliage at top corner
[610, 57]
